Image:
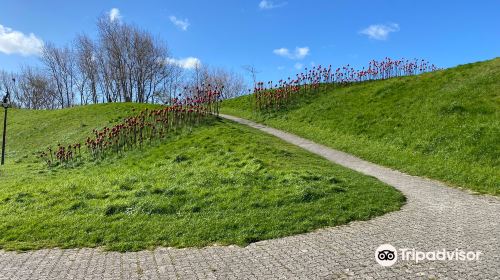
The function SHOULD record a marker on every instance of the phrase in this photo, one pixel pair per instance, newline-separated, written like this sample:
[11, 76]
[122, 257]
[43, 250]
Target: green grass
[443, 125]
[33, 130]
[223, 183]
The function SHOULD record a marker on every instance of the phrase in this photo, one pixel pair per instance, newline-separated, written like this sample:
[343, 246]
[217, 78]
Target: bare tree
[172, 85]
[60, 65]
[87, 62]
[196, 80]
[113, 39]
[132, 61]
[231, 83]
[253, 72]
[36, 90]
[107, 86]
[149, 67]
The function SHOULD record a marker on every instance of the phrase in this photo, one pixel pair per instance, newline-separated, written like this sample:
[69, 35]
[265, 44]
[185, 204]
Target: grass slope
[32, 130]
[444, 125]
[220, 184]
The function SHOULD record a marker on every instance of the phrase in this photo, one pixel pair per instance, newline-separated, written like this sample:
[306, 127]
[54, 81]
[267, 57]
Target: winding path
[435, 217]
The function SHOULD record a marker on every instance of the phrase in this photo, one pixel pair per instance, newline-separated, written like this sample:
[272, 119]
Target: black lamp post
[5, 105]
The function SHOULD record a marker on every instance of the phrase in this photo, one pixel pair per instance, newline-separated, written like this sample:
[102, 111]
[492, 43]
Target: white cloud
[12, 41]
[114, 14]
[282, 52]
[298, 65]
[268, 5]
[380, 31]
[182, 24]
[299, 53]
[186, 63]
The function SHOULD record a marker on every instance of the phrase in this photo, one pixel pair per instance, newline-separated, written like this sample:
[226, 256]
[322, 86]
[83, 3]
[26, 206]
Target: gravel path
[435, 217]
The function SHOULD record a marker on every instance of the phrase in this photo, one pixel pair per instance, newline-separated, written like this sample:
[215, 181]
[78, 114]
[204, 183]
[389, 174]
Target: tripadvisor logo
[387, 255]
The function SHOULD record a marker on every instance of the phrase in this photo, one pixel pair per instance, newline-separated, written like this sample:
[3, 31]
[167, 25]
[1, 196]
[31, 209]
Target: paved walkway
[435, 217]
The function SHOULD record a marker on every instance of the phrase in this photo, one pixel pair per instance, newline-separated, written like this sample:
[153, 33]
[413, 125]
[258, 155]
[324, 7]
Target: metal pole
[3, 138]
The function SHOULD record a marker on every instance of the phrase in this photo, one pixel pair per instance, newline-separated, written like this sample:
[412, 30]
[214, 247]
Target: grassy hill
[443, 125]
[223, 183]
[32, 130]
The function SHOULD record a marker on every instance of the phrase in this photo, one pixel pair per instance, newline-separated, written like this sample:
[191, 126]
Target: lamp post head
[6, 101]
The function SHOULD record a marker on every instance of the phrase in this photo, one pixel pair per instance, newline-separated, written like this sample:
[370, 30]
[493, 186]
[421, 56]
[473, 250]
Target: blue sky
[277, 37]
